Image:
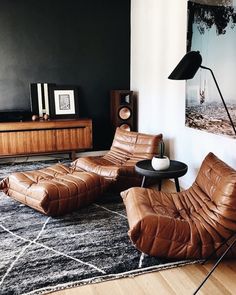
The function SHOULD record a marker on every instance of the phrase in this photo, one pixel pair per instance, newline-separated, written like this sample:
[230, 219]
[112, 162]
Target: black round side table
[176, 170]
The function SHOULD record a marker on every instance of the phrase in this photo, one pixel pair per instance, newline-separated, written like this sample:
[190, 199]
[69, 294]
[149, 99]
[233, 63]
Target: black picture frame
[63, 102]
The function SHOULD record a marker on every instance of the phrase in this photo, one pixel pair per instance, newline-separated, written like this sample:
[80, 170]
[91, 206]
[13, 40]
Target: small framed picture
[64, 102]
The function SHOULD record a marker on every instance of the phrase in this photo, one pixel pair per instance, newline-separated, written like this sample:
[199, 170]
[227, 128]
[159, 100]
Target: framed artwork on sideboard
[63, 103]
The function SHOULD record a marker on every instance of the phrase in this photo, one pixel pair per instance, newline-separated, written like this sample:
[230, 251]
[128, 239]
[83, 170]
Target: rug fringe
[110, 277]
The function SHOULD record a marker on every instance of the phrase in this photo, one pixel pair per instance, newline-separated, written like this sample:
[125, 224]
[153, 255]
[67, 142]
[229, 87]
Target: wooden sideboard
[38, 137]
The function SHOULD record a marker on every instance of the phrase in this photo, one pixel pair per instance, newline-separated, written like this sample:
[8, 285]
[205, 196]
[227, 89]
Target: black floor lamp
[187, 68]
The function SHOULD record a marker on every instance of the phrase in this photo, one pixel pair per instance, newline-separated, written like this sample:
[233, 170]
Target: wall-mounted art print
[64, 102]
[212, 32]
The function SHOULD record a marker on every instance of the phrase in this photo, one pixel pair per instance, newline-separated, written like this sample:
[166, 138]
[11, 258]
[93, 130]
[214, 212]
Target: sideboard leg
[72, 155]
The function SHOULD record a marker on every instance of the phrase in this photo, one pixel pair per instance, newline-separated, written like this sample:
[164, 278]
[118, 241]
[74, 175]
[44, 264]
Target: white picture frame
[64, 102]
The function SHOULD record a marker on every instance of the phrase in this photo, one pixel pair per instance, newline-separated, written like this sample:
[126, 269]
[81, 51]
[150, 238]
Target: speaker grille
[125, 113]
[125, 127]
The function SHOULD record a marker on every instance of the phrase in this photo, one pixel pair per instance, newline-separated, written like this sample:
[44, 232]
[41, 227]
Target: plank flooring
[181, 280]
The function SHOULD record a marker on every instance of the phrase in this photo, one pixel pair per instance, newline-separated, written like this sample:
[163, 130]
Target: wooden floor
[181, 280]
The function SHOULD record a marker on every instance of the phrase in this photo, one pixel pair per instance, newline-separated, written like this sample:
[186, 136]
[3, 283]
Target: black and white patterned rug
[39, 254]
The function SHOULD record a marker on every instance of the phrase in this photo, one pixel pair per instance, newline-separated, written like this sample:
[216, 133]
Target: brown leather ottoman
[55, 190]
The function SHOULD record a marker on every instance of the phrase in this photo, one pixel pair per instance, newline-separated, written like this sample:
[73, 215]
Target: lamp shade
[187, 67]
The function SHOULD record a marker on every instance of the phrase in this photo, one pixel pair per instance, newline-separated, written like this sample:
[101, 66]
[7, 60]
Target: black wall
[77, 42]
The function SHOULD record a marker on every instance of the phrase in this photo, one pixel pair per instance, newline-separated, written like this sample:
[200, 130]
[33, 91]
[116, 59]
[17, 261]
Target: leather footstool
[55, 190]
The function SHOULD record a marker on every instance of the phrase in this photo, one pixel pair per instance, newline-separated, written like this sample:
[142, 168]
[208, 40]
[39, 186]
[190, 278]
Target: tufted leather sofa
[58, 189]
[55, 190]
[188, 224]
[117, 166]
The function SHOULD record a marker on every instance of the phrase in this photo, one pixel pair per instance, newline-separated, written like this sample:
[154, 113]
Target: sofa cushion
[157, 227]
[117, 166]
[55, 190]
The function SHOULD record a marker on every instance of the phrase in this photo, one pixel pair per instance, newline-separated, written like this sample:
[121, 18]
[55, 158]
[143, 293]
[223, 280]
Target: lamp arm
[221, 96]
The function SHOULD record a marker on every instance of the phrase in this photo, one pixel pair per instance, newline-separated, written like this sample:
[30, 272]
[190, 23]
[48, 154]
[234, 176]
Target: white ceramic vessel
[160, 163]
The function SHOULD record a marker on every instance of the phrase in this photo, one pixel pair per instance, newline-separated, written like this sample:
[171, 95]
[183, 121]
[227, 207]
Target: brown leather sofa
[188, 224]
[58, 189]
[117, 166]
[55, 190]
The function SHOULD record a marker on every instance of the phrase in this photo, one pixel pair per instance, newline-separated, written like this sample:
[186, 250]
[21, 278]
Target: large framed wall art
[212, 32]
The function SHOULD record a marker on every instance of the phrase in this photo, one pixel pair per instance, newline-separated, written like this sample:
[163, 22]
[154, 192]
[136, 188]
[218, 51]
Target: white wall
[158, 42]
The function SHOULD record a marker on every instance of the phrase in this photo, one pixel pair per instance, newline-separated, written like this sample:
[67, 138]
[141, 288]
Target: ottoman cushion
[55, 190]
